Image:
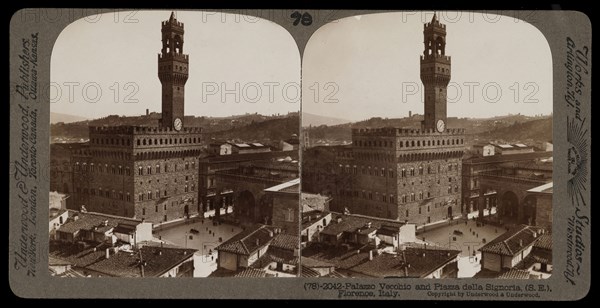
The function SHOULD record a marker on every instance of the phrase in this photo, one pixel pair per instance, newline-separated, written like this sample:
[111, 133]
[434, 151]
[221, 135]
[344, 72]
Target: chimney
[270, 233]
[257, 242]
[521, 243]
[106, 223]
[370, 255]
[107, 253]
[368, 225]
[147, 111]
[423, 255]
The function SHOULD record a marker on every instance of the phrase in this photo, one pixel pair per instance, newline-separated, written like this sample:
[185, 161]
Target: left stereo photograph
[174, 147]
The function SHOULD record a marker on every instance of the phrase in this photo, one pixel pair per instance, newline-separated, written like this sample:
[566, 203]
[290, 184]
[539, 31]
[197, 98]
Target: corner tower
[435, 75]
[173, 73]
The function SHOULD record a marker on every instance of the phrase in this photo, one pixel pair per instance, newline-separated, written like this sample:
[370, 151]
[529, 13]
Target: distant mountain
[309, 119]
[538, 129]
[510, 128]
[56, 117]
[247, 127]
[268, 131]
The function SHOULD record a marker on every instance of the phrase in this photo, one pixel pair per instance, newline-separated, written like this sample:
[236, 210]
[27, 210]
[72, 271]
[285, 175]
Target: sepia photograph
[174, 147]
[427, 148]
[300, 154]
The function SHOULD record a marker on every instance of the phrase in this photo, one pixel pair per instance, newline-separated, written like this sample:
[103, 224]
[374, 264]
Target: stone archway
[245, 206]
[529, 210]
[510, 205]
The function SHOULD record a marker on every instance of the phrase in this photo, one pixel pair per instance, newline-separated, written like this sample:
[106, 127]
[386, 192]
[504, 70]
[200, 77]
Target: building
[407, 174]
[215, 191]
[142, 172]
[363, 230]
[57, 212]
[285, 206]
[475, 166]
[370, 262]
[509, 149]
[524, 248]
[98, 227]
[543, 205]
[220, 148]
[106, 261]
[249, 148]
[512, 181]
[484, 149]
[291, 144]
[262, 248]
[315, 216]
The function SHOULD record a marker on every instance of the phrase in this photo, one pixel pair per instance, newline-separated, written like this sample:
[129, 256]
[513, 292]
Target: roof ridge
[250, 233]
[514, 234]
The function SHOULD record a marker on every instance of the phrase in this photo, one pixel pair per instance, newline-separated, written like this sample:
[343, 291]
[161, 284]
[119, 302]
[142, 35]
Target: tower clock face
[441, 126]
[177, 124]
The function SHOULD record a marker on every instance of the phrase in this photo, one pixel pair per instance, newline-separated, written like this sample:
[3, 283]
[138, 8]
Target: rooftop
[309, 272]
[314, 202]
[544, 242]
[158, 260]
[95, 221]
[292, 186]
[505, 274]
[355, 223]
[248, 241]
[513, 241]
[252, 273]
[544, 189]
[286, 242]
[514, 273]
[413, 262]
[507, 158]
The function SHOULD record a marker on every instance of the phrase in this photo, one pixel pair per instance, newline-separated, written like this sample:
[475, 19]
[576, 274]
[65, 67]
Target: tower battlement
[172, 24]
[404, 132]
[174, 56]
[437, 58]
[131, 130]
[436, 25]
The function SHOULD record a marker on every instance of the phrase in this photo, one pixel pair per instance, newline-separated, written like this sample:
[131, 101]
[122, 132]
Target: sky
[368, 66]
[107, 64]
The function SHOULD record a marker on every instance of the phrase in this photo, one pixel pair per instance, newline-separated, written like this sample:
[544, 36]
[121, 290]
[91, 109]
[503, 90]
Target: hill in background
[509, 128]
[56, 117]
[247, 127]
[309, 119]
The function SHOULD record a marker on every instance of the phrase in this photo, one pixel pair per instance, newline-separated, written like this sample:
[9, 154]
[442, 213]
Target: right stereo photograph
[427, 148]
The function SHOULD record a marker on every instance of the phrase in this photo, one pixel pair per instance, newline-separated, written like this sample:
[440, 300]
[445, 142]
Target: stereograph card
[300, 154]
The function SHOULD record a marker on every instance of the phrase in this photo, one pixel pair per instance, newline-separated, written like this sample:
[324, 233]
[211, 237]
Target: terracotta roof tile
[309, 272]
[90, 220]
[513, 241]
[514, 274]
[248, 241]
[285, 241]
[252, 273]
[122, 263]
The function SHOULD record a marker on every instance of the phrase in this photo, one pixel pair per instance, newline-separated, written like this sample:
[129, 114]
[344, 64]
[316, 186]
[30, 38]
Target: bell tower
[173, 73]
[435, 74]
